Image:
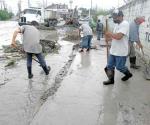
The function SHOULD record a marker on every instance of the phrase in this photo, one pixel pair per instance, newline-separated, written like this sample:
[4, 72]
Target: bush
[5, 15]
[100, 12]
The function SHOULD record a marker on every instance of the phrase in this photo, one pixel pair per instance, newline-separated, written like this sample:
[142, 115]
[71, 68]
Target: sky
[104, 4]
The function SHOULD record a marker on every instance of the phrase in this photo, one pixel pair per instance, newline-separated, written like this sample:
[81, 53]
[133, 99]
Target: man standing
[99, 29]
[134, 38]
[119, 48]
[31, 45]
[87, 37]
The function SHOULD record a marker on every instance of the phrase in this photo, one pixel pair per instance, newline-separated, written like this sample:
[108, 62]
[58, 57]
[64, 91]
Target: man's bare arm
[117, 36]
[13, 43]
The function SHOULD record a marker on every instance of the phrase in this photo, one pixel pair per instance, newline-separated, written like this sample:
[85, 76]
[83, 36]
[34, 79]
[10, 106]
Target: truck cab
[29, 15]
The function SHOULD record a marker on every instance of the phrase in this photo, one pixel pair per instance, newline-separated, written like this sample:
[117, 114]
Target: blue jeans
[86, 41]
[118, 62]
[39, 56]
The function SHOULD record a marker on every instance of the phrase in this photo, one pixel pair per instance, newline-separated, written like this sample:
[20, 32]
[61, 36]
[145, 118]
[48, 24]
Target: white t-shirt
[120, 47]
[86, 29]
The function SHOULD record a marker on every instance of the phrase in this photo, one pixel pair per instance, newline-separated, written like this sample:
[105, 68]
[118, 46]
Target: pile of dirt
[72, 34]
[144, 61]
[17, 53]
[42, 27]
[49, 46]
[9, 49]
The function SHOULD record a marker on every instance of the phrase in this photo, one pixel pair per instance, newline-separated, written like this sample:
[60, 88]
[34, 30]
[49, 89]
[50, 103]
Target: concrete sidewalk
[83, 100]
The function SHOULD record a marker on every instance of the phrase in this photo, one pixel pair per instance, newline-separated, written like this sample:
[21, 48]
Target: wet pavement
[21, 98]
[82, 99]
[73, 93]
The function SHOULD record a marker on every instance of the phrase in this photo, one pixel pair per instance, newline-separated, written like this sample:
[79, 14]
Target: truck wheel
[50, 23]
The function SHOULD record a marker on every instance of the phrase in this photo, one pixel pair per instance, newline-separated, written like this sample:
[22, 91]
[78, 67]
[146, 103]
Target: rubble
[72, 34]
[49, 46]
[42, 27]
[10, 63]
[10, 49]
[12, 54]
[145, 63]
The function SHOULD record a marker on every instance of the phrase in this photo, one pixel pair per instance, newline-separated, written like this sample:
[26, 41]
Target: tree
[100, 12]
[5, 15]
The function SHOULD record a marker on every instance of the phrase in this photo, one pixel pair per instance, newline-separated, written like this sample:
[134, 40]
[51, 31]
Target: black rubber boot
[110, 75]
[133, 63]
[30, 75]
[127, 76]
[46, 69]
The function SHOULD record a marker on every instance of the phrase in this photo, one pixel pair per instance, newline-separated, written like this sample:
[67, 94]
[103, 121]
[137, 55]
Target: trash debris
[49, 46]
[9, 49]
[10, 63]
[145, 62]
[72, 34]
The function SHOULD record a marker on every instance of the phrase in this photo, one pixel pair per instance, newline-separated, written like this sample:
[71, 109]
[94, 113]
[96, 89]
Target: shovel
[22, 51]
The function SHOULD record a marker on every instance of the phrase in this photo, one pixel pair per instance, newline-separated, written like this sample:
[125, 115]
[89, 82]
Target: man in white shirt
[119, 48]
[87, 37]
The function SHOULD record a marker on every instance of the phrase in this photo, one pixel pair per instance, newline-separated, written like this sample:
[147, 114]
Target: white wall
[140, 8]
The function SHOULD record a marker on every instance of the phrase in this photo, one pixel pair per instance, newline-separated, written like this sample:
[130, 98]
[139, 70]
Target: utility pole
[90, 10]
[29, 4]
[118, 3]
[46, 3]
[19, 8]
[71, 1]
[3, 5]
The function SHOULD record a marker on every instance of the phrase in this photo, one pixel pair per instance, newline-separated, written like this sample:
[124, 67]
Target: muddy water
[7, 29]
[21, 98]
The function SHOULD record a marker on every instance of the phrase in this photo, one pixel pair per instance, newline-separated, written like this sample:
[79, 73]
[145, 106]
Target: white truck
[46, 16]
[51, 17]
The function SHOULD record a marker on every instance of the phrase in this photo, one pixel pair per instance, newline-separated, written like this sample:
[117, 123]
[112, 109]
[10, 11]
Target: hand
[13, 45]
[108, 39]
[108, 34]
[140, 45]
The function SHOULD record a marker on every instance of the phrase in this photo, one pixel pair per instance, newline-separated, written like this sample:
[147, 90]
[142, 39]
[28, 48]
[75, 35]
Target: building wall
[140, 8]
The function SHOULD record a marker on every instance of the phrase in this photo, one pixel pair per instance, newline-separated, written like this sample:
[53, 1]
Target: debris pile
[12, 54]
[42, 27]
[49, 46]
[144, 61]
[72, 34]
[10, 49]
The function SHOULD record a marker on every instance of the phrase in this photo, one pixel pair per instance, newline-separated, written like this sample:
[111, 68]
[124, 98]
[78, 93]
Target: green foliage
[5, 15]
[85, 12]
[100, 12]
[92, 23]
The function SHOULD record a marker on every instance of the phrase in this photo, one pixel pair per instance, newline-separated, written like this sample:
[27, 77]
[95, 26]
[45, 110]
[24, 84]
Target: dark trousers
[39, 57]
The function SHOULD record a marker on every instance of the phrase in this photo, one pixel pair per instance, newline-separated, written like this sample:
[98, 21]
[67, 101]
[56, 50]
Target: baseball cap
[117, 13]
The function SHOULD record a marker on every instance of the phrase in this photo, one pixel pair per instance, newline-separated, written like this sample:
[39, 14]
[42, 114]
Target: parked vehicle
[47, 16]
[51, 17]
[29, 15]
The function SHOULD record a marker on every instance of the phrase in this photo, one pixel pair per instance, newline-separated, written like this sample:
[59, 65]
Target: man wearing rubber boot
[31, 45]
[134, 38]
[119, 48]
